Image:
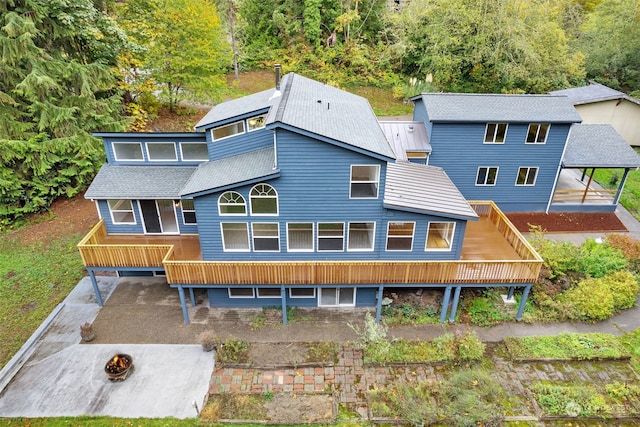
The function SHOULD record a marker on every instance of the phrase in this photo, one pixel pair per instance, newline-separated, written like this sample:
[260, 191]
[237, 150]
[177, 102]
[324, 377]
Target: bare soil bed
[563, 222]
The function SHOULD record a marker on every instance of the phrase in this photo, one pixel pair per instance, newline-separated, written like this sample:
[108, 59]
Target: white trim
[183, 210]
[302, 297]
[313, 245]
[251, 197]
[253, 294]
[338, 289]
[535, 178]
[193, 143]
[175, 153]
[453, 234]
[318, 237]
[495, 132]
[497, 168]
[376, 181]
[133, 213]
[535, 142]
[244, 202]
[413, 233]
[244, 130]
[158, 213]
[97, 203]
[248, 249]
[115, 152]
[373, 237]
[264, 121]
[279, 296]
[253, 236]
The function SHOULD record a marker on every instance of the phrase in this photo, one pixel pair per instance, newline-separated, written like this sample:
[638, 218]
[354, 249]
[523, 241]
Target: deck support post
[510, 294]
[283, 296]
[454, 305]
[379, 304]
[183, 303]
[445, 304]
[523, 301]
[616, 198]
[192, 295]
[96, 289]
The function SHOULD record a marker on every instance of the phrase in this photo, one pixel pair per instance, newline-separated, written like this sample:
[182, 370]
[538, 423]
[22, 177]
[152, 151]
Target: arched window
[264, 200]
[232, 203]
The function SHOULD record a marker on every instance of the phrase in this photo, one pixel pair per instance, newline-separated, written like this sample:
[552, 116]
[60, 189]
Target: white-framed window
[361, 236]
[241, 292]
[264, 200]
[268, 293]
[527, 176]
[302, 292]
[537, 133]
[121, 212]
[127, 151]
[194, 151]
[235, 236]
[364, 182]
[495, 133]
[300, 236]
[266, 236]
[161, 151]
[330, 236]
[232, 203]
[400, 236]
[188, 211]
[337, 297]
[256, 122]
[227, 131]
[440, 236]
[487, 175]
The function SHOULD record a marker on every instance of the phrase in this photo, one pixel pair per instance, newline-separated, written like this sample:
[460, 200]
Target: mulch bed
[567, 222]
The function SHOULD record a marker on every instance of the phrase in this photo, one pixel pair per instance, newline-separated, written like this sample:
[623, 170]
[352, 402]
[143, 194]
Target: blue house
[298, 196]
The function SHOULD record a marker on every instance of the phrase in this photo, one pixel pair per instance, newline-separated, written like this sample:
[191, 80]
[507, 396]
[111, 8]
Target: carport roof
[598, 146]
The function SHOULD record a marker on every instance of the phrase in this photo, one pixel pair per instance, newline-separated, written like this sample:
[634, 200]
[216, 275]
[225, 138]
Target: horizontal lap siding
[450, 140]
[144, 138]
[219, 297]
[420, 114]
[239, 144]
[136, 228]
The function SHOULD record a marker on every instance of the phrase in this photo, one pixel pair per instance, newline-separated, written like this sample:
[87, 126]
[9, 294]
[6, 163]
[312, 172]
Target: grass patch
[631, 342]
[566, 346]
[319, 352]
[232, 350]
[630, 198]
[235, 406]
[33, 280]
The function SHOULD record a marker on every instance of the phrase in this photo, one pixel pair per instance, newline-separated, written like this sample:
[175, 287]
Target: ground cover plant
[566, 346]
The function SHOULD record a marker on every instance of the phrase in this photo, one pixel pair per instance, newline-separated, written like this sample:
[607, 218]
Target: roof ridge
[284, 97]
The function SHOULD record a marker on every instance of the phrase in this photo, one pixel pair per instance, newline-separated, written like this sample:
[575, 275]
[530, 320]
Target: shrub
[591, 300]
[629, 247]
[483, 312]
[232, 350]
[599, 259]
[624, 288]
[473, 398]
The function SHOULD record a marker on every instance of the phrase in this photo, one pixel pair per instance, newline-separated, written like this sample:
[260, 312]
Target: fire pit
[119, 367]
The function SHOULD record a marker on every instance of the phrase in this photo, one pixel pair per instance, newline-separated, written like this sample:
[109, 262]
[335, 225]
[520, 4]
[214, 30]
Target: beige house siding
[623, 115]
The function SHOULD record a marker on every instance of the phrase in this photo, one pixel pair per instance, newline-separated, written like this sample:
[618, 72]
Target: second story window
[194, 151]
[487, 175]
[128, 151]
[495, 133]
[365, 180]
[161, 151]
[121, 211]
[331, 236]
[256, 122]
[188, 211]
[264, 200]
[527, 176]
[232, 203]
[537, 133]
[226, 131]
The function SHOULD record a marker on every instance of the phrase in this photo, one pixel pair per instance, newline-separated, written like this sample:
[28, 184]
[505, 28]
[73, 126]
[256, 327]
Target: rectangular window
[194, 151]
[256, 122]
[266, 237]
[337, 297]
[269, 293]
[495, 133]
[128, 151]
[121, 211]
[300, 237]
[302, 292]
[527, 176]
[440, 236]
[537, 133]
[227, 130]
[241, 293]
[161, 151]
[361, 236]
[417, 155]
[400, 236]
[188, 211]
[235, 236]
[364, 181]
[331, 236]
[487, 175]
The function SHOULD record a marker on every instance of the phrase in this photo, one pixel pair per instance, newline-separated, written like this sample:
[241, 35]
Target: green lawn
[630, 198]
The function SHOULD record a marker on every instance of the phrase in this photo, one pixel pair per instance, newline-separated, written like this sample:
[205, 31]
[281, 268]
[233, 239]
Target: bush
[624, 288]
[473, 398]
[599, 259]
[232, 350]
[629, 247]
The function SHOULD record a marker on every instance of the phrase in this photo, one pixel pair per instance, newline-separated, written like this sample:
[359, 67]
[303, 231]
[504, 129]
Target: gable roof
[406, 136]
[139, 182]
[469, 108]
[425, 189]
[595, 92]
[245, 167]
[237, 107]
[598, 145]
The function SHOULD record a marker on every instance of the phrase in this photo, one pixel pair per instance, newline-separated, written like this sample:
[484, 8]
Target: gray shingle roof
[425, 189]
[330, 112]
[139, 182]
[467, 107]
[236, 107]
[595, 92]
[406, 136]
[598, 145]
[231, 170]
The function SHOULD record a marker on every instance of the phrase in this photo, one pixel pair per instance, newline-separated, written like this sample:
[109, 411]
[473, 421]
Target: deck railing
[96, 253]
[580, 196]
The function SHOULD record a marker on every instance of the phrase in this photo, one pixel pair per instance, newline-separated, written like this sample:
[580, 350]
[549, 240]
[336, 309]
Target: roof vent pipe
[278, 71]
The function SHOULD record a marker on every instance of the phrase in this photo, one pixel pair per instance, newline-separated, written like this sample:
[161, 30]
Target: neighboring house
[297, 196]
[599, 104]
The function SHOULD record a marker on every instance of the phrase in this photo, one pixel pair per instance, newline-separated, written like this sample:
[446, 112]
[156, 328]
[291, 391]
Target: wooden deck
[493, 252]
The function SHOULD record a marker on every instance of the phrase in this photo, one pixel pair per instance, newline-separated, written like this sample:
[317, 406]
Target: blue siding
[315, 188]
[449, 140]
[366, 297]
[240, 143]
[420, 113]
[136, 228]
[219, 297]
[143, 139]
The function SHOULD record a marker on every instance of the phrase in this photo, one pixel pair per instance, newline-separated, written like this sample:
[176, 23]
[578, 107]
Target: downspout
[558, 171]
[275, 151]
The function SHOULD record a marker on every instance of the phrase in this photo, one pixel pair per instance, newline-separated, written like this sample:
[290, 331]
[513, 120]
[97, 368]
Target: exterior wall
[450, 140]
[420, 114]
[138, 227]
[143, 138]
[316, 189]
[239, 143]
[623, 116]
[219, 297]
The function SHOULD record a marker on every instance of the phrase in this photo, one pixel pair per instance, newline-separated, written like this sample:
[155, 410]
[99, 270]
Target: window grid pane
[266, 237]
[364, 181]
[361, 236]
[440, 235]
[400, 236]
[194, 151]
[495, 133]
[228, 130]
[128, 151]
[235, 236]
[330, 237]
[300, 236]
[264, 200]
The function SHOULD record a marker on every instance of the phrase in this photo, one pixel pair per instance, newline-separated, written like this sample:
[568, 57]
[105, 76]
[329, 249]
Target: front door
[159, 216]
[337, 297]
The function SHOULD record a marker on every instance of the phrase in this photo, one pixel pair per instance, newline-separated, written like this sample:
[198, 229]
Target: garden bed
[566, 347]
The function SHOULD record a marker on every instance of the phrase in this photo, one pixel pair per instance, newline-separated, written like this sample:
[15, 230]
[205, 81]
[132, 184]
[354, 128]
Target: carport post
[183, 303]
[454, 305]
[94, 283]
[283, 295]
[379, 304]
[525, 295]
[445, 304]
